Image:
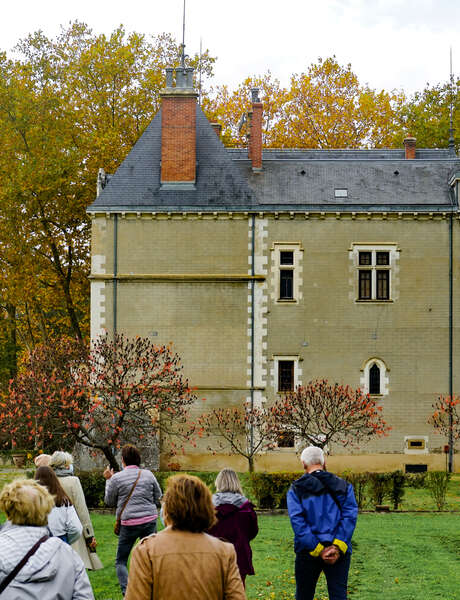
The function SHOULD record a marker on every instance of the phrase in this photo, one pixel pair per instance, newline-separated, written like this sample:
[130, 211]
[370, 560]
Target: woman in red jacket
[236, 519]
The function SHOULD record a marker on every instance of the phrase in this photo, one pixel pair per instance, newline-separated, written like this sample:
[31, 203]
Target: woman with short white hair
[85, 546]
[52, 569]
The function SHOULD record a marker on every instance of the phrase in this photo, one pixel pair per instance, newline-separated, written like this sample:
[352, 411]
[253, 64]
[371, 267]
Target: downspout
[451, 339]
[115, 272]
[253, 283]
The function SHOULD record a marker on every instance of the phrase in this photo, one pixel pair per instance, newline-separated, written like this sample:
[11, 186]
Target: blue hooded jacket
[323, 511]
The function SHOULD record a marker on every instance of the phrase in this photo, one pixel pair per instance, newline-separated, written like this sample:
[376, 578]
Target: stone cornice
[281, 215]
[178, 277]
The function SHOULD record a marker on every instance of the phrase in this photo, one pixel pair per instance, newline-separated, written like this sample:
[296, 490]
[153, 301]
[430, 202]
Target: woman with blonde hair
[85, 546]
[236, 519]
[51, 569]
[182, 561]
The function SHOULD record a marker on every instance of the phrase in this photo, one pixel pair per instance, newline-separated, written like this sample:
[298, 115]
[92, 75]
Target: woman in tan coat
[62, 463]
[183, 562]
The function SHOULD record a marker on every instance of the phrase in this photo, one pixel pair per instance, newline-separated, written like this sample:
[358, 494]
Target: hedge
[268, 490]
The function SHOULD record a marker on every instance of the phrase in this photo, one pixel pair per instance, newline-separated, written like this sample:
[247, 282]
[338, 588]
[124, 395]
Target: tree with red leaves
[320, 413]
[242, 431]
[440, 419]
[120, 390]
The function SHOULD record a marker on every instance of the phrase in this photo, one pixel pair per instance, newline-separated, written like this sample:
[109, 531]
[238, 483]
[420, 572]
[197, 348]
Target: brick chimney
[178, 131]
[255, 131]
[409, 146]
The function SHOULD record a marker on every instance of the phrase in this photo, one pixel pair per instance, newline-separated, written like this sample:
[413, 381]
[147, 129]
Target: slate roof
[136, 184]
[297, 180]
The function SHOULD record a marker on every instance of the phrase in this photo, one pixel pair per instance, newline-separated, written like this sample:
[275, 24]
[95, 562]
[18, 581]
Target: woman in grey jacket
[54, 570]
[139, 515]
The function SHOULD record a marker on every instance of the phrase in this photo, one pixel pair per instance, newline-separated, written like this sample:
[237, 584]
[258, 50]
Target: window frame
[374, 280]
[279, 267]
[297, 372]
[383, 379]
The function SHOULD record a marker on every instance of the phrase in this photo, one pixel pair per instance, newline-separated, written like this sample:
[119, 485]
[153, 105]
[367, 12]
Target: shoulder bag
[9, 578]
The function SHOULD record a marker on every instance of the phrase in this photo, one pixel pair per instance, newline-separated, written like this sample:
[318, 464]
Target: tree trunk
[13, 345]
[251, 464]
[110, 456]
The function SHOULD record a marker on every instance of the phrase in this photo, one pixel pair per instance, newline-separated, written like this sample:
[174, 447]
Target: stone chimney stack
[178, 131]
[255, 131]
[409, 146]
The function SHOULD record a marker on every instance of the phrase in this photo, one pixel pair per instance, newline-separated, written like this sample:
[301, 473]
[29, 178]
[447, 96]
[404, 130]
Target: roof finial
[451, 128]
[182, 53]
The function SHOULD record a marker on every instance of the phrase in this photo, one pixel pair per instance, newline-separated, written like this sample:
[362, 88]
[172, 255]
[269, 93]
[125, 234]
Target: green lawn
[397, 556]
[409, 556]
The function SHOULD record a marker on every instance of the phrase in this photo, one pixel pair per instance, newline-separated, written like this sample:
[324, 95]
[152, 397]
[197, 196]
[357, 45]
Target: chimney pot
[169, 77]
[180, 81]
[410, 144]
[189, 77]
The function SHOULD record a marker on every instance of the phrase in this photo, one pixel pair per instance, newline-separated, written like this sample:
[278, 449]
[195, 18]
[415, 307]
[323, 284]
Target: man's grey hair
[312, 455]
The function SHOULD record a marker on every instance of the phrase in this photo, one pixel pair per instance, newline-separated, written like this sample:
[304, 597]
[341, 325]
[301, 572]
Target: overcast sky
[391, 44]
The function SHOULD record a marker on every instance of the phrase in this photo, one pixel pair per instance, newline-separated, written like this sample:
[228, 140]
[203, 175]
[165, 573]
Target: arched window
[374, 379]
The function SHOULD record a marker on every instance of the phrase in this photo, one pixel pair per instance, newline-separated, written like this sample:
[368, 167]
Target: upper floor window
[286, 275]
[286, 271]
[286, 373]
[375, 268]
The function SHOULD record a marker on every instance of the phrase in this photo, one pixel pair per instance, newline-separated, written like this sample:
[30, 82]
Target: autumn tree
[327, 107]
[67, 107]
[321, 413]
[227, 107]
[426, 115]
[446, 417]
[241, 431]
[324, 107]
[45, 406]
[121, 390]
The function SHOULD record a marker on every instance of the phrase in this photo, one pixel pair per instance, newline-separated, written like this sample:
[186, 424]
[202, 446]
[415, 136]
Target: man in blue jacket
[323, 512]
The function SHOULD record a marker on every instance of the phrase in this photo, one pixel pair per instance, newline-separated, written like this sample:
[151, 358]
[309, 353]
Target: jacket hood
[233, 498]
[319, 482]
[16, 540]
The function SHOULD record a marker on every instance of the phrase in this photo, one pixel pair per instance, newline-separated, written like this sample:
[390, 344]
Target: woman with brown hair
[63, 521]
[182, 561]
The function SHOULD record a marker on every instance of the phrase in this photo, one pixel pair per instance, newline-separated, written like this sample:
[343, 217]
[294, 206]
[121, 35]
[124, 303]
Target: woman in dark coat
[236, 519]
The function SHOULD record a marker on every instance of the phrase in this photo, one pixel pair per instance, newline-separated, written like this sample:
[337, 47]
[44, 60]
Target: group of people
[202, 553]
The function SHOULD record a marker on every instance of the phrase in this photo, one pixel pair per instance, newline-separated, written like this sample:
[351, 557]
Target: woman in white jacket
[63, 521]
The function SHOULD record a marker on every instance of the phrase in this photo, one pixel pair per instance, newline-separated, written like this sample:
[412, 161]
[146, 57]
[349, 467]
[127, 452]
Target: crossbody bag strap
[129, 495]
[9, 578]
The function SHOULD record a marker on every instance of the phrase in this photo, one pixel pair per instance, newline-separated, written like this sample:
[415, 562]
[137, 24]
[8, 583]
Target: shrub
[93, 485]
[270, 489]
[437, 484]
[360, 483]
[379, 487]
[397, 490]
[416, 480]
